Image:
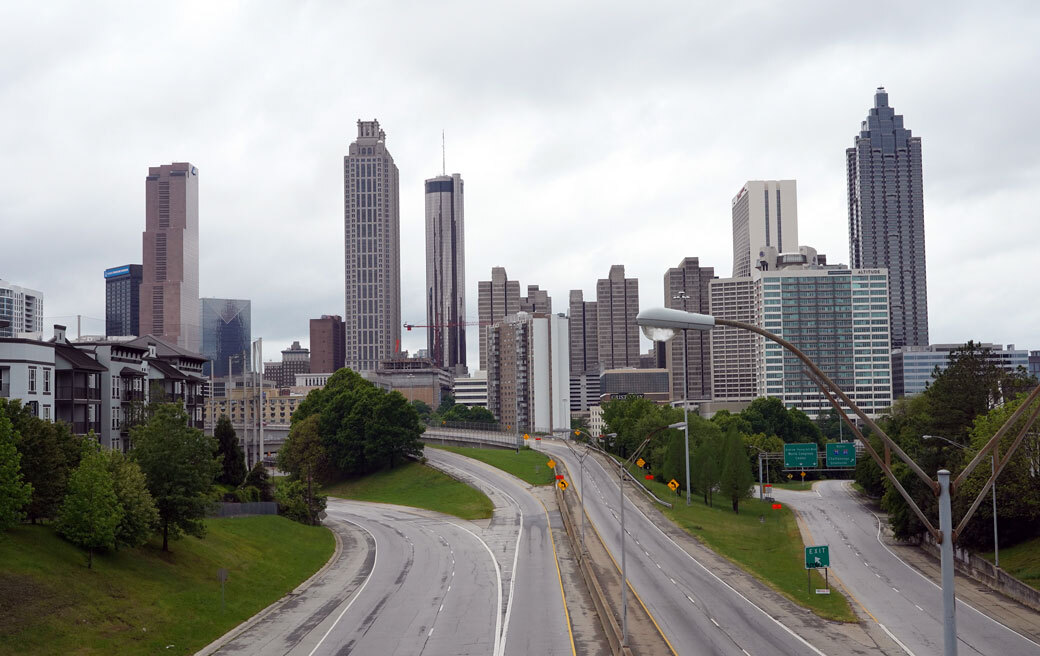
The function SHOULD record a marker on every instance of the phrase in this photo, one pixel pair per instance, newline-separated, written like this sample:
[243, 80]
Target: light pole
[661, 324]
[581, 479]
[622, 470]
[993, 471]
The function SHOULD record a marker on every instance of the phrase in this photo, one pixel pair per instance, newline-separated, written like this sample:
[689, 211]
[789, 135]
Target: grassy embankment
[1021, 561]
[419, 486]
[771, 548]
[142, 601]
[528, 465]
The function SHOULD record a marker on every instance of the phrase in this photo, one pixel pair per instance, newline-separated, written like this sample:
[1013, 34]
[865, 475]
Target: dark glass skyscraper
[446, 272]
[225, 333]
[122, 300]
[886, 216]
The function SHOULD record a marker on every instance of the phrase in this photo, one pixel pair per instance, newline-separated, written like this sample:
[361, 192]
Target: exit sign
[817, 557]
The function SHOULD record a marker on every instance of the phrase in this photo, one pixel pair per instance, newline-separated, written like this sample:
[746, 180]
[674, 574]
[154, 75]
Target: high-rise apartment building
[584, 352]
[123, 300]
[170, 253]
[446, 272]
[295, 360]
[327, 344]
[496, 299]
[734, 352]
[765, 213]
[226, 333]
[617, 304]
[372, 245]
[886, 216]
[537, 300]
[686, 287]
[21, 310]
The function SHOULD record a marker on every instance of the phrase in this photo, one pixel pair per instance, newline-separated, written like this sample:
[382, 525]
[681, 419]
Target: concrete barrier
[986, 573]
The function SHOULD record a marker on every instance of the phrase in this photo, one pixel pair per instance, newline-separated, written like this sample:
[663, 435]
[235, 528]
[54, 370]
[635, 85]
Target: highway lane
[430, 585]
[902, 600]
[534, 617]
[697, 612]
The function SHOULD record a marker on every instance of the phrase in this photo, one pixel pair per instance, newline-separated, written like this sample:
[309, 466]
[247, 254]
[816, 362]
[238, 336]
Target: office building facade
[687, 287]
[372, 250]
[226, 335]
[123, 300]
[886, 216]
[734, 352]
[328, 344]
[765, 213]
[584, 352]
[21, 310]
[446, 272]
[497, 299]
[170, 255]
[913, 367]
[617, 304]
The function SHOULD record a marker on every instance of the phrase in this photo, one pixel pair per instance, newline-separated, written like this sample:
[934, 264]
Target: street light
[624, 569]
[581, 478]
[993, 471]
[662, 324]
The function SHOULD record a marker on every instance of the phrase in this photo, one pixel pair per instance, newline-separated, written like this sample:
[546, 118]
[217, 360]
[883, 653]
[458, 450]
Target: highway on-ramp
[898, 597]
[696, 610]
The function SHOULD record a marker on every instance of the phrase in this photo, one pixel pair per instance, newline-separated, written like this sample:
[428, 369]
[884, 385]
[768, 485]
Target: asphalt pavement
[697, 611]
[906, 604]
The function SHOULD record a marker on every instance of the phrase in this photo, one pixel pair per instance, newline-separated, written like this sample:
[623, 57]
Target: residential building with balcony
[123, 388]
[27, 373]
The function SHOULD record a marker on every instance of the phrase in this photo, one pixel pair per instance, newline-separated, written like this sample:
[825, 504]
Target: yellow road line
[638, 598]
[552, 541]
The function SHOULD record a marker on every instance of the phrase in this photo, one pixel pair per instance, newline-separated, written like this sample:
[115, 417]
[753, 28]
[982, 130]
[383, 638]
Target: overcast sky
[588, 134]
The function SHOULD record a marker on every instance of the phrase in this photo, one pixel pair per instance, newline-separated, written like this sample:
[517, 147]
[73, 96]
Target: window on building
[32, 380]
[46, 381]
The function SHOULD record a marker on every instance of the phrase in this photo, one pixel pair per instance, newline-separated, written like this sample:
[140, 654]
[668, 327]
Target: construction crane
[409, 326]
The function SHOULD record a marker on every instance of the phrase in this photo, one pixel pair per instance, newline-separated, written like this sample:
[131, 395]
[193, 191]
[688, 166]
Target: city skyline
[564, 179]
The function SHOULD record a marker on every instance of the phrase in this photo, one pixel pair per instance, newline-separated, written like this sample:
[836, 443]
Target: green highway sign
[841, 454]
[797, 456]
[817, 557]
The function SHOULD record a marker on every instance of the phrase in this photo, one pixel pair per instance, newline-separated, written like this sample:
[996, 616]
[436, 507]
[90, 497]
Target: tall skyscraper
[327, 344]
[886, 216]
[617, 304]
[21, 310]
[123, 300]
[496, 299]
[170, 253]
[226, 332]
[765, 213]
[686, 288]
[584, 352]
[372, 246]
[537, 300]
[446, 272]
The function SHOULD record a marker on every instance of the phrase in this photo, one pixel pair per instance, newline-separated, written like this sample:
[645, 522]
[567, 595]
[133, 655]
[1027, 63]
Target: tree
[705, 467]
[580, 422]
[178, 464]
[139, 514]
[673, 463]
[303, 456]
[90, 513]
[769, 415]
[297, 504]
[447, 402]
[259, 479]
[233, 467]
[49, 454]
[14, 492]
[423, 409]
[735, 478]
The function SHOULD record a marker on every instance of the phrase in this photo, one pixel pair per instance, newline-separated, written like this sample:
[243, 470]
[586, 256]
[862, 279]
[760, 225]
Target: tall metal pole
[946, 561]
[996, 546]
[761, 490]
[685, 404]
[260, 376]
[624, 569]
[581, 489]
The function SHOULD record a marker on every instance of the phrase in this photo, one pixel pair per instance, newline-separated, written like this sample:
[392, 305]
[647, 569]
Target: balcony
[71, 393]
[84, 427]
[5, 391]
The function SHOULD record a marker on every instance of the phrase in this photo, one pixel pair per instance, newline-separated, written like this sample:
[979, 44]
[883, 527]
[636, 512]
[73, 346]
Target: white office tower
[765, 213]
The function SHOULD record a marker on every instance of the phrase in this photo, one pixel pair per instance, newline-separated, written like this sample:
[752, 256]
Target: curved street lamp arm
[993, 441]
[836, 390]
[874, 454]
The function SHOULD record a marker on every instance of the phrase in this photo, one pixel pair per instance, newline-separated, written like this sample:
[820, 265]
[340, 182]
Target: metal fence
[231, 509]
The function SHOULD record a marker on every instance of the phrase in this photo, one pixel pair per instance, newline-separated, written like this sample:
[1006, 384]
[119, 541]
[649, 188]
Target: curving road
[905, 603]
[534, 616]
[697, 611]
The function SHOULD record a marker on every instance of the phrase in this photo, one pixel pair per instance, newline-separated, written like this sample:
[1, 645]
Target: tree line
[966, 403]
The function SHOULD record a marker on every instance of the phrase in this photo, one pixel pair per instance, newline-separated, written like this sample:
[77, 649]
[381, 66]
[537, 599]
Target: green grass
[527, 465]
[139, 601]
[771, 550]
[794, 485]
[419, 486]
[1021, 561]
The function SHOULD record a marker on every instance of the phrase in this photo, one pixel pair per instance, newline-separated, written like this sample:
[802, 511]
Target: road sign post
[817, 557]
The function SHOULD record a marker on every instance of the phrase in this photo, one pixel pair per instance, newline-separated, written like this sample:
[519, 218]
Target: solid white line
[716, 577]
[938, 587]
[498, 573]
[895, 639]
[357, 594]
